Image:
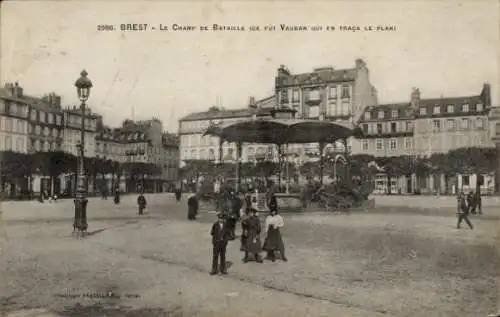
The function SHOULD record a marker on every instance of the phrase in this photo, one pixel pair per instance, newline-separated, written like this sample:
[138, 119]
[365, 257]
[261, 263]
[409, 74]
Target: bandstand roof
[281, 131]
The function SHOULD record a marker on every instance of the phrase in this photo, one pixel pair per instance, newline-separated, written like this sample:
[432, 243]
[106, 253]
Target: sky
[445, 48]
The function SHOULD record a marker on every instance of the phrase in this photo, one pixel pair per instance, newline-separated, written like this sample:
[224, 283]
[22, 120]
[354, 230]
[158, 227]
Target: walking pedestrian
[274, 241]
[220, 238]
[141, 203]
[252, 242]
[463, 211]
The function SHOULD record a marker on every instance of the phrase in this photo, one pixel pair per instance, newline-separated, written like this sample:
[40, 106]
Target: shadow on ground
[79, 310]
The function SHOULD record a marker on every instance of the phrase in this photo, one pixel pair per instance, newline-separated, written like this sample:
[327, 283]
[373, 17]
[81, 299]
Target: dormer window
[367, 115]
[450, 108]
[479, 107]
[437, 109]
[465, 107]
[423, 111]
[381, 115]
[394, 114]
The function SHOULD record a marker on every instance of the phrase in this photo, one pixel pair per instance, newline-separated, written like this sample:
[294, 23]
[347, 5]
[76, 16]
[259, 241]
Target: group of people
[466, 205]
[243, 208]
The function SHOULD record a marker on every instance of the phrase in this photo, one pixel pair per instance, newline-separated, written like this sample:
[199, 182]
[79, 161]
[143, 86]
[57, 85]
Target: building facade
[194, 146]
[422, 127]
[31, 125]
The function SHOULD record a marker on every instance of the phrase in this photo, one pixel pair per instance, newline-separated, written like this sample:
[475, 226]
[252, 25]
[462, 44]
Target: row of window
[36, 129]
[14, 109]
[451, 109]
[463, 124]
[388, 127]
[423, 111]
[9, 143]
[344, 91]
[391, 144]
[13, 125]
[45, 146]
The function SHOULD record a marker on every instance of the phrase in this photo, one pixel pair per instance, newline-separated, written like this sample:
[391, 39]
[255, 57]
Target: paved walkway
[356, 265]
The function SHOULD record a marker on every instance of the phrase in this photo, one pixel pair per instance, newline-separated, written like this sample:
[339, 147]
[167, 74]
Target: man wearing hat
[220, 236]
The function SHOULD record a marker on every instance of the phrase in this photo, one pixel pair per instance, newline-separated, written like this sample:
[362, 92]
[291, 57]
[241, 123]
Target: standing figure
[220, 238]
[178, 194]
[141, 203]
[253, 244]
[463, 211]
[470, 203]
[274, 241]
[193, 206]
[236, 205]
[117, 196]
[477, 203]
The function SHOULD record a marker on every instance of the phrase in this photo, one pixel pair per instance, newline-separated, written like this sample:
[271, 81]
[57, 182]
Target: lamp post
[83, 85]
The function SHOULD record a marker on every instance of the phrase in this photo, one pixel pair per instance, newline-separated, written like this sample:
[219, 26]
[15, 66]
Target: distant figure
[476, 200]
[220, 238]
[463, 211]
[141, 203]
[193, 206]
[117, 196]
[470, 202]
[178, 194]
[104, 193]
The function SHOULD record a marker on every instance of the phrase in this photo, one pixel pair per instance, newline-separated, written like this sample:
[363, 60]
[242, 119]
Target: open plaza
[386, 261]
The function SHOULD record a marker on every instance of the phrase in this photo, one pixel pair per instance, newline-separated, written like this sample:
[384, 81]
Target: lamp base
[80, 220]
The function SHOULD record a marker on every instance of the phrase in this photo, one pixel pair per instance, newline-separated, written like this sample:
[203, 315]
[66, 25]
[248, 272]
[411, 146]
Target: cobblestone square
[363, 264]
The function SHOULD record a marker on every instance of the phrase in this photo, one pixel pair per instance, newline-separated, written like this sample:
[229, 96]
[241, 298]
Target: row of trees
[15, 166]
[460, 161]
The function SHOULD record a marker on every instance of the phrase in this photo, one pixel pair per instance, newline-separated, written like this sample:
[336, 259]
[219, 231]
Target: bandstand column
[238, 165]
[280, 161]
[347, 173]
[321, 161]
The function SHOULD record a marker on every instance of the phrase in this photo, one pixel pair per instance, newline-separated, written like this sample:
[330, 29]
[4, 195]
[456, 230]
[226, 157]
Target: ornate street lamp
[83, 85]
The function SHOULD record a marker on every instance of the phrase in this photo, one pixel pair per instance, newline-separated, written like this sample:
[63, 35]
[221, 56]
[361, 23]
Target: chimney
[360, 64]
[415, 98]
[10, 88]
[283, 71]
[251, 102]
[486, 95]
[18, 90]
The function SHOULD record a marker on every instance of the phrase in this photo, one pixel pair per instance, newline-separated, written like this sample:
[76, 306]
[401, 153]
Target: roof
[320, 75]
[120, 136]
[262, 108]
[35, 102]
[403, 112]
[280, 131]
[455, 102]
[406, 112]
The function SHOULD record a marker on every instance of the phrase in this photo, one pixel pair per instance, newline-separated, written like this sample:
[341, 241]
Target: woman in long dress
[274, 241]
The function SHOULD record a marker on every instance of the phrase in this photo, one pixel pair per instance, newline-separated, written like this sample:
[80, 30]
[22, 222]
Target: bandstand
[280, 130]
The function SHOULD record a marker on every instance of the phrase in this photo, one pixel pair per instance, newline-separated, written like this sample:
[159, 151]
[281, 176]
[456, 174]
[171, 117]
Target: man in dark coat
[117, 196]
[193, 206]
[463, 211]
[476, 201]
[220, 238]
[141, 203]
[178, 194]
[470, 202]
[253, 243]
[234, 215]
